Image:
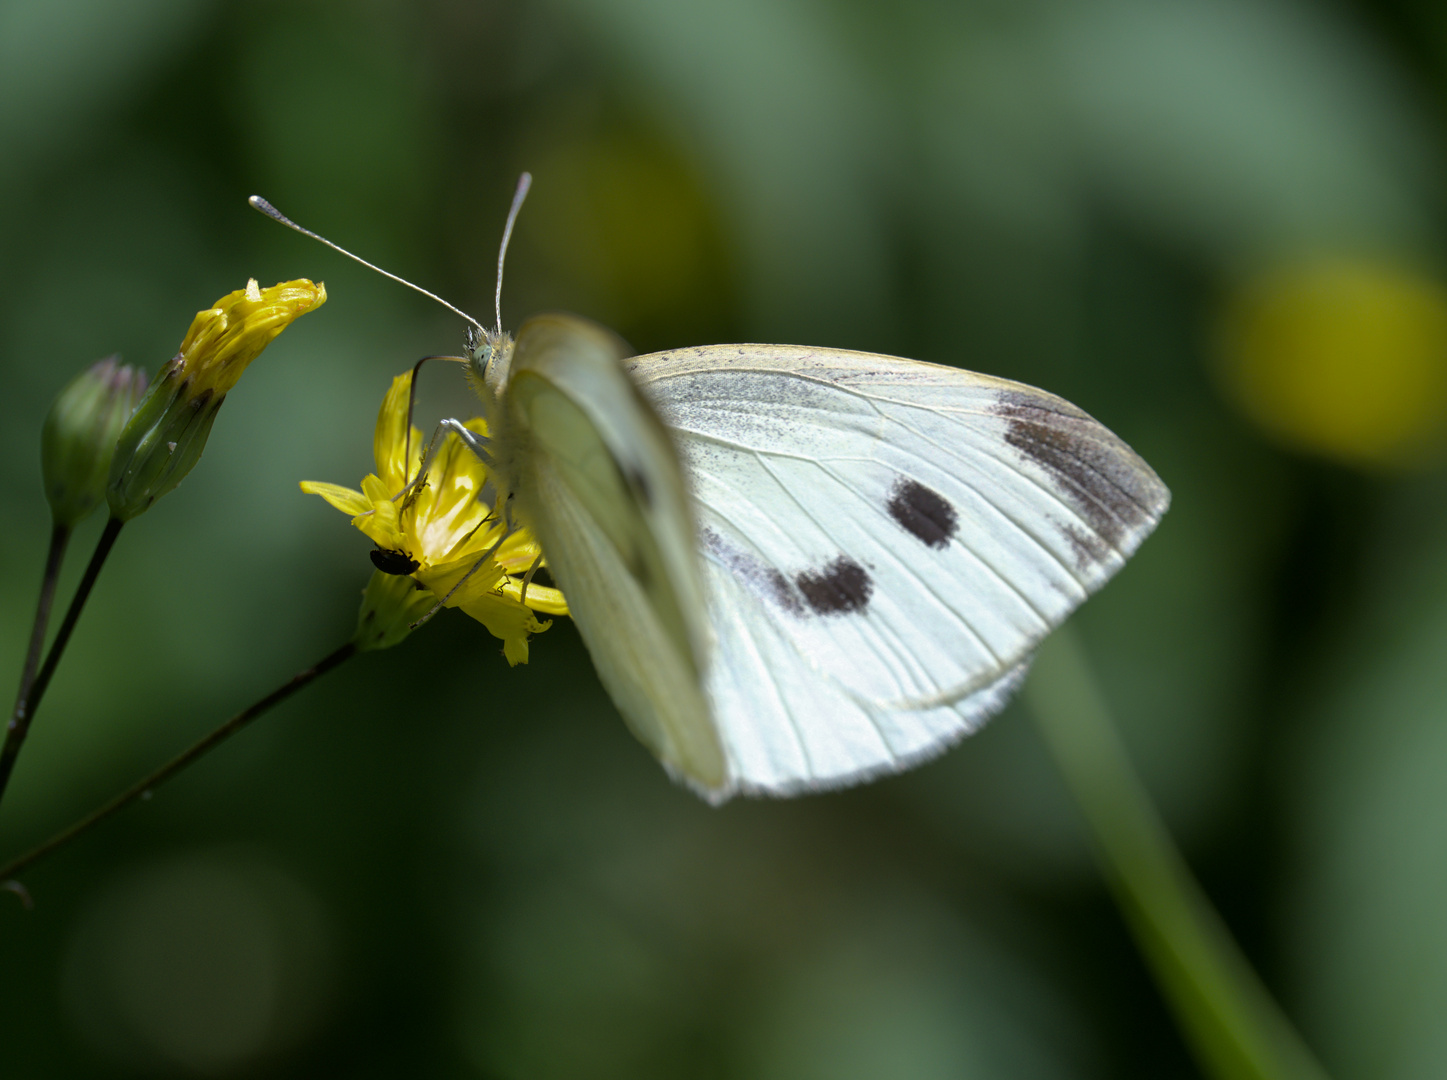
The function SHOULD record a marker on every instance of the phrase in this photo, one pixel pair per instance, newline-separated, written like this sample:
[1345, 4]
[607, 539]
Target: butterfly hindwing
[885, 542]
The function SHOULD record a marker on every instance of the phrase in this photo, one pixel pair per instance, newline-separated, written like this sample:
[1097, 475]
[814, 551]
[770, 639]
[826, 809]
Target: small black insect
[396, 563]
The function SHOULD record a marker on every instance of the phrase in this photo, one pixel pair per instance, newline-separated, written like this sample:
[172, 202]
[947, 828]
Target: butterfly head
[489, 359]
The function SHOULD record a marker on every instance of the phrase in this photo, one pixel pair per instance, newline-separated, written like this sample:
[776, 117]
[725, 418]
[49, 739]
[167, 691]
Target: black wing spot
[923, 512]
[837, 588]
[396, 563]
[840, 587]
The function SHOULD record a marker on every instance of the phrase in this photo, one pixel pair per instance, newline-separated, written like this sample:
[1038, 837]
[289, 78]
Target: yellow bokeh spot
[1343, 358]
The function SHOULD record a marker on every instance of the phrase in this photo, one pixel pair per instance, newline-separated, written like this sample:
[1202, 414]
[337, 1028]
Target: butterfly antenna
[525, 181]
[272, 212]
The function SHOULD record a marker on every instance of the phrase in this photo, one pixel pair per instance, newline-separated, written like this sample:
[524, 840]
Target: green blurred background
[1217, 225]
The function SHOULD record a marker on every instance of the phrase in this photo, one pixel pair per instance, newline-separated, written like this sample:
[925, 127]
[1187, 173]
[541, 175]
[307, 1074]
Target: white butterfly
[822, 565]
[798, 568]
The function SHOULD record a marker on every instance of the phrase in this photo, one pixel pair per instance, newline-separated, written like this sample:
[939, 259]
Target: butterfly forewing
[598, 479]
[885, 542]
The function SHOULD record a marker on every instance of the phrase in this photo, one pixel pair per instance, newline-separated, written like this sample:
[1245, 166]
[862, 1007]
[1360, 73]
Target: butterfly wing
[885, 542]
[597, 478]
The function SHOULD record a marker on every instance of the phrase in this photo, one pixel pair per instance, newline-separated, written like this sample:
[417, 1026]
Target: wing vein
[797, 502]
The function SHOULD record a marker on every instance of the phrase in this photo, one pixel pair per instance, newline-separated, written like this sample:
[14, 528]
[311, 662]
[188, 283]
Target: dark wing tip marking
[923, 512]
[841, 587]
[1101, 478]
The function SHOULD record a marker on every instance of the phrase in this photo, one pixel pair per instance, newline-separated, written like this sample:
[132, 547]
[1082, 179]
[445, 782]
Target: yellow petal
[376, 489]
[508, 620]
[344, 499]
[540, 597]
[515, 650]
[519, 551]
[380, 526]
[481, 584]
[398, 457]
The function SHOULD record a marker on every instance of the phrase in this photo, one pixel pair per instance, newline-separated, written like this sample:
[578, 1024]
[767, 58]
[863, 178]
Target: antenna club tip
[258, 203]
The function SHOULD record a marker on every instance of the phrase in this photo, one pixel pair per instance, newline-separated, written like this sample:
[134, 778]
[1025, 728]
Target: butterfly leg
[528, 579]
[480, 446]
[472, 440]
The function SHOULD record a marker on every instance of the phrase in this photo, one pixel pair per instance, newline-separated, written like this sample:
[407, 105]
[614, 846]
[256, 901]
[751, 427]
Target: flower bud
[79, 436]
[390, 605]
[168, 431]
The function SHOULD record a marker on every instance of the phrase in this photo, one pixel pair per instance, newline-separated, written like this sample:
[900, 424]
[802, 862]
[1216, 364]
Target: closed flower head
[79, 436]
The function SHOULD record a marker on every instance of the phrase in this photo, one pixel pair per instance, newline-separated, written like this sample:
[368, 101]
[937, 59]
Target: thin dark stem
[59, 539]
[180, 761]
[29, 698]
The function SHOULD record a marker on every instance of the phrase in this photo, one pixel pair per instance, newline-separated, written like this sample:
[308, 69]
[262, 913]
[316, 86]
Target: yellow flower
[439, 529]
[164, 437]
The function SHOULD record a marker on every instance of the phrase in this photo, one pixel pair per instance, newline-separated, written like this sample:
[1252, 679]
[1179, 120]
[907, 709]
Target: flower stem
[1229, 1019]
[29, 697]
[59, 539]
[143, 786]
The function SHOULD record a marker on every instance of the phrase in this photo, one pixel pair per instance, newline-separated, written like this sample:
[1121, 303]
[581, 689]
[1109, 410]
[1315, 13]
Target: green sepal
[391, 604]
[161, 443]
